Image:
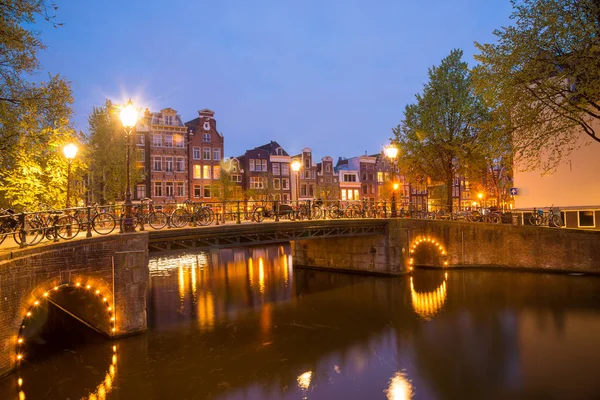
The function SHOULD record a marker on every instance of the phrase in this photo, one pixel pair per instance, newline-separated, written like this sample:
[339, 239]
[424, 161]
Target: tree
[543, 77]
[438, 134]
[26, 105]
[224, 188]
[107, 147]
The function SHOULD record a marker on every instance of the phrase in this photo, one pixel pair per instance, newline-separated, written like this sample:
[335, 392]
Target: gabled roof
[272, 148]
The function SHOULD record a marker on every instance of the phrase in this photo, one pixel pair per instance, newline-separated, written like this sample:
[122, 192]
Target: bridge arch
[94, 292]
[426, 250]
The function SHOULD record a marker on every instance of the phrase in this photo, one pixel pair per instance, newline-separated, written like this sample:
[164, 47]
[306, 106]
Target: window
[586, 219]
[156, 140]
[236, 178]
[196, 155]
[311, 190]
[275, 167]
[356, 197]
[279, 151]
[206, 153]
[285, 198]
[216, 153]
[180, 164]
[140, 191]
[349, 178]
[285, 169]
[168, 140]
[285, 184]
[328, 168]
[277, 197]
[207, 191]
[197, 171]
[169, 164]
[306, 174]
[344, 195]
[206, 137]
[168, 119]
[157, 189]
[251, 161]
[157, 163]
[303, 190]
[264, 165]
[178, 139]
[216, 172]
[365, 189]
[141, 155]
[169, 189]
[197, 191]
[364, 176]
[314, 174]
[140, 140]
[307, 163]
[276, 183]
[180, 189]
[206, 171]
[371, 177]
[380, 177]
[256, 182]
[372, 189]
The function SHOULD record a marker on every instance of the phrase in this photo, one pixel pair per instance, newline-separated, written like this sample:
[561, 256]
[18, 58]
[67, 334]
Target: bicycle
[282, 211]
[156, 219]
[552, 218]
[61, 226]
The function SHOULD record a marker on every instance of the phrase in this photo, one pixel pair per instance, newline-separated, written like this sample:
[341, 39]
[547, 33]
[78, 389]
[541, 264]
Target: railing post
[224, 212]
[276, 210]
[88, 234]
[238, 213]
[142, 219]
[22, 232]
[121, 219]
[216, 216]
[384, 209]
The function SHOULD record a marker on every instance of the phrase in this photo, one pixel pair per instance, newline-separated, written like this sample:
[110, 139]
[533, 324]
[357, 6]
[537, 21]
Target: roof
[272, 148]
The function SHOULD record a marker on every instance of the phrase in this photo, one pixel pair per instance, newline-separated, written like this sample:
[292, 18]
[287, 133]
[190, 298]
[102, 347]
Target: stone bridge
[102, 281]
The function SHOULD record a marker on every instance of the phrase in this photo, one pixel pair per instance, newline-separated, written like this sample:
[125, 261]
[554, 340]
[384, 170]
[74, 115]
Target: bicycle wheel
[534, 220]
[334, 211]
[157, 219]
[103, 223]
[258, 215]
[474, 216]
[34, 232]
[67, 227]
[179, 218]
[495, 219]
[317, 213]
[556, 221]
[205, 216]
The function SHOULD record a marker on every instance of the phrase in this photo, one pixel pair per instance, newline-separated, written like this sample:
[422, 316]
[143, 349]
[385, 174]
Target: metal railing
[32, 228]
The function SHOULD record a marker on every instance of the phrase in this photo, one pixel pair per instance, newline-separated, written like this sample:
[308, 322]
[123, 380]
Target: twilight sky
[332, 75]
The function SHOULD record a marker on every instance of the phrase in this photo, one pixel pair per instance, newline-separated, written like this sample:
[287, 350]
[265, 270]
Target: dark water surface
[243, 324]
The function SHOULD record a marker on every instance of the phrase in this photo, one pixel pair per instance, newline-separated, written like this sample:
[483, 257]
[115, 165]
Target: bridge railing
[32, 228]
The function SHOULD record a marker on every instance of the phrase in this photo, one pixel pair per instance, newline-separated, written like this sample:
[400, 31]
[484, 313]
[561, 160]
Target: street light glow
[296, 166]
[129, 115]
[70, 151]
[396, 185]
[391, 151]
[480, 195]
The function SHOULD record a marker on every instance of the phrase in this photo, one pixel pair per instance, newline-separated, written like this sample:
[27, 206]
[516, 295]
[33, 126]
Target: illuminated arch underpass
[427, 251]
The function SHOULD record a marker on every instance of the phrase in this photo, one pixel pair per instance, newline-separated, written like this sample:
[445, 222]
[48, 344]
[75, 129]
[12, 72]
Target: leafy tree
[438, 134]
[107, 147]
[224, 188]
[542, 77]
[25, 105]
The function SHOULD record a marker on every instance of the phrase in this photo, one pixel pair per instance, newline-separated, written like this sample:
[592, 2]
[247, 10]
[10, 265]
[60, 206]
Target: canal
[245, 324]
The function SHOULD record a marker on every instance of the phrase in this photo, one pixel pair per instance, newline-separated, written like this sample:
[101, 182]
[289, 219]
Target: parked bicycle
[551, 218]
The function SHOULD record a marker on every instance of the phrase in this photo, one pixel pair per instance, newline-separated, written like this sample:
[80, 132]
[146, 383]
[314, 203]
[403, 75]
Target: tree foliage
[107, 144]
[439, 132]
[542, 77]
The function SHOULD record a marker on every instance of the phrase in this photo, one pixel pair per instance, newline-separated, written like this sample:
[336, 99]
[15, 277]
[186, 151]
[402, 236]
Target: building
[388, 174]
[328, 187]
[166, 164]
[205, 151]
[574, 187]
[349, 179]
[266, 173]
[305, 180]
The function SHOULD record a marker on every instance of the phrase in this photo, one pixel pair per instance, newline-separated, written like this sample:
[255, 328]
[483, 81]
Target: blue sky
[332, 75]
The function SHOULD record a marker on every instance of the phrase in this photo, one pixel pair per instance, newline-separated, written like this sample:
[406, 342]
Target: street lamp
[391, 152]
[129, 116]
[69, 151]
[296, 168]
[480, 196]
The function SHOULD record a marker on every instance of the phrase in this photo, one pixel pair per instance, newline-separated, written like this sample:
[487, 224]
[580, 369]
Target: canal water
[244, 324]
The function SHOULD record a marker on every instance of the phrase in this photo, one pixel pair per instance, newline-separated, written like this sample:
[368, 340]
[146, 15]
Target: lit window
[157, 189]
[216, 172]
[168, 140]
[197, 191]
[197, 171]
[206, 171]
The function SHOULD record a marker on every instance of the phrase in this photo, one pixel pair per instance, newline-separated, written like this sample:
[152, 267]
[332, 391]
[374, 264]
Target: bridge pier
[377, 254]
[100, 281]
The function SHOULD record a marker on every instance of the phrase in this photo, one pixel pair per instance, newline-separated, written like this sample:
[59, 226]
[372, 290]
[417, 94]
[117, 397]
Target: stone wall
[454, 244]
[32, 275]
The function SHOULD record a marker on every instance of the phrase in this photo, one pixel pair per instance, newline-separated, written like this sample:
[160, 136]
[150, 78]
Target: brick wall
[25, 275]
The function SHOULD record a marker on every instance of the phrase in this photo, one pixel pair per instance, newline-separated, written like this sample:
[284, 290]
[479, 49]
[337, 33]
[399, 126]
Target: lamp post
[296, 168]
[129, 116]
[391, 152]
[69, 151]
[480, 196]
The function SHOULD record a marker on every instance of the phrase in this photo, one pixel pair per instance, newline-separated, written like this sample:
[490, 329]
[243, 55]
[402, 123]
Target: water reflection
[220, 328]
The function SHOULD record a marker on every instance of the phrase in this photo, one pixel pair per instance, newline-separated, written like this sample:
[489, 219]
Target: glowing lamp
[296, 166]
[129, 115]
[70, 151]
[391, 151]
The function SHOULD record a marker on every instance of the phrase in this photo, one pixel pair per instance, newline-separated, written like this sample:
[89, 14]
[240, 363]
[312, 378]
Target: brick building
[306, 185]
[328, 187]
[205, 151]
[266, 172]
